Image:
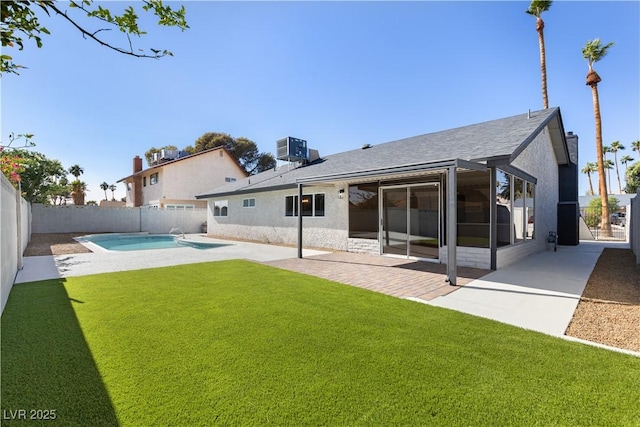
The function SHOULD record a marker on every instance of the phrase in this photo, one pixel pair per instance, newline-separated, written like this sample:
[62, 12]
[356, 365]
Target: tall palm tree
[113, 188]
[76, 171]
[607, 149]
[593, 52]
[608, 165]
[615, 146]
[535, 9]
[104, 187]
[635, 145]
[624, 160]
[590, 168]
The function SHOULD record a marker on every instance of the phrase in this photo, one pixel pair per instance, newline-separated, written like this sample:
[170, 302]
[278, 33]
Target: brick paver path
[397, 277]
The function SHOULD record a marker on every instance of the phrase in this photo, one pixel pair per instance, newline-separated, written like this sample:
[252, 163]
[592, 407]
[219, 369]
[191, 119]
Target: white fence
[633, 221]
[14, 235]
[93, 219]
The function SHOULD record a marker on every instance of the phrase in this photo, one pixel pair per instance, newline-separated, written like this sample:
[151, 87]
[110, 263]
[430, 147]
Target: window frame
[291, 205]
[221, 208]
[153, 178]
[249, 203]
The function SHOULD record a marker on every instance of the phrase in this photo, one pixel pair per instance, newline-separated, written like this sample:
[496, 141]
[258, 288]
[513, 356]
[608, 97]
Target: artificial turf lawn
[240, 343]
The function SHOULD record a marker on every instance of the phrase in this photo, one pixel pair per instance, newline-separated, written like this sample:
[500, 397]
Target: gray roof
[496, 141]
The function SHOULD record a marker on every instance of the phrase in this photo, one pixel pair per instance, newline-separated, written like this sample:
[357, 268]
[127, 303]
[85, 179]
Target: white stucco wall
[266, 222]
[93, 219]
[538, 160]
[9, 247]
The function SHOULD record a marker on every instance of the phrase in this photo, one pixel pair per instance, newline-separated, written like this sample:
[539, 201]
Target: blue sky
[338, 74]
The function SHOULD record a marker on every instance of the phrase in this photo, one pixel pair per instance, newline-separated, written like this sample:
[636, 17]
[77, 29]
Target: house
[174, 181]
[515, 180]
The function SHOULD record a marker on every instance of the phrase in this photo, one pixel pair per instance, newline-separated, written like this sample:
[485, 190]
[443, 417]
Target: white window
[220, 208]
[176, 207]
[249, 203]
[153, 179]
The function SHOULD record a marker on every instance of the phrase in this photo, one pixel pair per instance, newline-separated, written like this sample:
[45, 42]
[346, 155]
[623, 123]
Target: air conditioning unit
[292, 149]
[166, 154]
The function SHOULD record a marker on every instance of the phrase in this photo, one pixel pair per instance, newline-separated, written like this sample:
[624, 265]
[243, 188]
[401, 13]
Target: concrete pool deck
[56, 266]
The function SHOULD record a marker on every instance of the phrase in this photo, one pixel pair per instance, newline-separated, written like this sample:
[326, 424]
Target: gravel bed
[609, 310]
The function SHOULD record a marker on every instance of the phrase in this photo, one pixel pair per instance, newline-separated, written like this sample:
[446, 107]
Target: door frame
[407, 187]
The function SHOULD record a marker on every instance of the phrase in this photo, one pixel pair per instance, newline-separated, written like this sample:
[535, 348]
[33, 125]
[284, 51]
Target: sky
[337, 74]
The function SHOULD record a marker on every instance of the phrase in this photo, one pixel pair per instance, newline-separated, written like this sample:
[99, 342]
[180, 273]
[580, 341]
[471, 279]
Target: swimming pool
[138, 242]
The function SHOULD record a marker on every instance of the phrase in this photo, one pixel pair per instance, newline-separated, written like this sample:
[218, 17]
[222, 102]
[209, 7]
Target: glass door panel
[394, 221]
[424, 220]
[411, 221]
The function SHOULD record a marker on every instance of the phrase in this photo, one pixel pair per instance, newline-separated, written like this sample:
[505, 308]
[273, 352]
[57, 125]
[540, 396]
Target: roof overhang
[387, 172]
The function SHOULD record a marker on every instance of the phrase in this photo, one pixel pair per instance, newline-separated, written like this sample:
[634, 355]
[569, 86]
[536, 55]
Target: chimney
[137, 164]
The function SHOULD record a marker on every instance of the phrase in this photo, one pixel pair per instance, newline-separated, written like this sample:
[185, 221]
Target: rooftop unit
[292, 149]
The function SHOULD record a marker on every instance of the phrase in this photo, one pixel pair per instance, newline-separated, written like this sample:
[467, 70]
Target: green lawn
[240, 343]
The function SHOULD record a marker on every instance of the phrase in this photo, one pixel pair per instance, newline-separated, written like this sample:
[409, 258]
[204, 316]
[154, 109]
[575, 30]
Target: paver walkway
[397, 277]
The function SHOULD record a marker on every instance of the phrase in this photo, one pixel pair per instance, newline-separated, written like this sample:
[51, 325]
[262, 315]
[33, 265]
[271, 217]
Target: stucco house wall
[538, 160]
[179, 181]
[269, 223]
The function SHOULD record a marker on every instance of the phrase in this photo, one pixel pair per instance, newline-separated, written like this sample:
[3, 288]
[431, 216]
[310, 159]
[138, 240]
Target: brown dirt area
[608, 312]
[54, 244]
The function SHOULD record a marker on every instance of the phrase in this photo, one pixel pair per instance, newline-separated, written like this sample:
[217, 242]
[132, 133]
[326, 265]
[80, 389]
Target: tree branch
[103, 43]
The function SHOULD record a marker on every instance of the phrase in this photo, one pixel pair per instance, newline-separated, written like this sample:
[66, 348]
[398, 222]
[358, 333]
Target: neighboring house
[515, 180]
[174, 182]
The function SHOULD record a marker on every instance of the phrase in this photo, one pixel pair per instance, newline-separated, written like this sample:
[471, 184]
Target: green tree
[593, 214]
[113, 188]
[61, 190]
[588, 169]
[633, 178]
[76, 171]
[593, 52]
[635, 145]
[104, 187]
[20, 21]
[244, 150]
[536, 8]
[38, 175]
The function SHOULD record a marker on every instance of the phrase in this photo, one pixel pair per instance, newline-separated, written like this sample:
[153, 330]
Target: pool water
[137, 242]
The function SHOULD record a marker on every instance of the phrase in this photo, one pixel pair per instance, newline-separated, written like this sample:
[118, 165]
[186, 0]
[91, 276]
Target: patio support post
[452, 224]
[299, 220]
[493, 227]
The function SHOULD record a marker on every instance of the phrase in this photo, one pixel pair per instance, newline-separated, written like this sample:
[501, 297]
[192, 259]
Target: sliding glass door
[411, 220]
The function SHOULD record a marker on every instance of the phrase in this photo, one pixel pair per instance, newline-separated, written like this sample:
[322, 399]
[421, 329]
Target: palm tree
[593, 52]
[104, 187]
[608, 165]
[535, 9]
[615, 146]
[76, 171]
[113, 188]
[78, 192]
[635, 145]
[590, 168]
[607, 149]
[624, 160]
